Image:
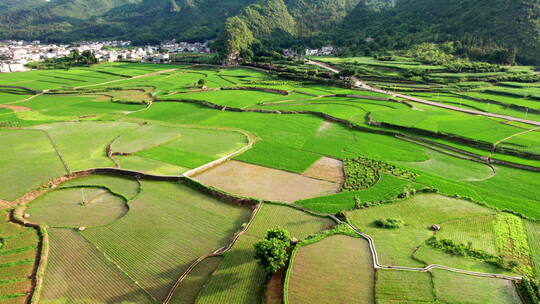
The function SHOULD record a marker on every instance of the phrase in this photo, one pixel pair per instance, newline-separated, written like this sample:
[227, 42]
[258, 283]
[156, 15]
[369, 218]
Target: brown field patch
[337, 269]
[326, 168]
[265, 183]
[15, 108]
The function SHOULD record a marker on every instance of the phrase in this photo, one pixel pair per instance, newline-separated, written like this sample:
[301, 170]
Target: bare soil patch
[328, 169]
[274, 289]
[265, 183]
[15, 108]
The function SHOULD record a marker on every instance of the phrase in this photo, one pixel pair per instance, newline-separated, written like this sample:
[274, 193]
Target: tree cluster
[272, 251]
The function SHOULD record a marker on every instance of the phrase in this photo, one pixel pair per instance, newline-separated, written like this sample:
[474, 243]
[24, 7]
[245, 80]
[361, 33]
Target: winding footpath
[377, 265]
[363, 85]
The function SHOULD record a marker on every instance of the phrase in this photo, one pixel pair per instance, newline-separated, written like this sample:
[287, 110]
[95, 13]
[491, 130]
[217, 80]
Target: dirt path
[30, 98]
[364, 86]
[131, 78]
[512, 136]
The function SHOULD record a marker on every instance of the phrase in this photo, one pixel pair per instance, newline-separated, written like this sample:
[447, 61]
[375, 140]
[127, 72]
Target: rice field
[80, 207]
[440, 286]
[396, 247]
[18, 253]
[141, 235]
[29, 162]
[239, 279]
[167, 227]
[322, 272]
[79, 272]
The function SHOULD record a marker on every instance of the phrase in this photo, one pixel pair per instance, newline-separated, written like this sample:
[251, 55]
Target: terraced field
[130, 233]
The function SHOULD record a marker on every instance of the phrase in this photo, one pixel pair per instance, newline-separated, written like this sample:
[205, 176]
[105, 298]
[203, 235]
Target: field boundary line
[363, 85]
[218, 252]
[125, 79]
[217, 162]
[55, 147]
[377, 265]
[111, 261]
[512, 136]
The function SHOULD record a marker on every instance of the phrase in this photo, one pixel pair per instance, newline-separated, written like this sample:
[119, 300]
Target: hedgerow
[362, 173]
[459, 249]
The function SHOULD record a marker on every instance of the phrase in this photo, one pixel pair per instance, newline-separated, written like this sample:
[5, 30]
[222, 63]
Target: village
[15, 55]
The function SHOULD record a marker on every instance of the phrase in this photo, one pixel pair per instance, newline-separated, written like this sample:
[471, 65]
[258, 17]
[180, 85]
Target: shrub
[389, 223]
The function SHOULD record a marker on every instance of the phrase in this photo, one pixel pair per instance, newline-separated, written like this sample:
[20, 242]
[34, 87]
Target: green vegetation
[80, 207]
[77, 272]
[362, 173]
[407, 166]
[30, 161]
[239, 263]
[155, 232]
[18, 251]
[440, 285]
[271, 252]
[389, 223]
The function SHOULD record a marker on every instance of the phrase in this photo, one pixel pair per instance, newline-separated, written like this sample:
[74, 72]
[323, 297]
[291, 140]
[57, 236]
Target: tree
[271, 252]
[201, 83]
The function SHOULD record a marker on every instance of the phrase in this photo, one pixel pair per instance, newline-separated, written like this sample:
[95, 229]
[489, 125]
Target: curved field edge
[339, 230]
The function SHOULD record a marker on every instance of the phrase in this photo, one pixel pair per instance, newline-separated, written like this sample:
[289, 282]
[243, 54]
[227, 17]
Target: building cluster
[15, 54]
[186, 47]
[324, 51]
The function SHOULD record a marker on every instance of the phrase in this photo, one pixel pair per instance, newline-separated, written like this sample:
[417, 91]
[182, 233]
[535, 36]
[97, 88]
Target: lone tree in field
[201, 83]
[271, 252]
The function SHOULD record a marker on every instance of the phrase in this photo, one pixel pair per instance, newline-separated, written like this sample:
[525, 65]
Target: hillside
[479, 25]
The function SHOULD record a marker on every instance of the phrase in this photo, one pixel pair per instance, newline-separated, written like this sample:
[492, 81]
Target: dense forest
[486, 30]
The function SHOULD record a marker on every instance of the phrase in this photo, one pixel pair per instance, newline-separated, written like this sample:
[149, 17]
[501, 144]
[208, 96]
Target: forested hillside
[487, 30]
[483, 27]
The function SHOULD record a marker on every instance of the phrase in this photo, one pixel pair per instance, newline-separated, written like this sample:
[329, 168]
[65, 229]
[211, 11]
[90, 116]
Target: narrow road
[363, 85]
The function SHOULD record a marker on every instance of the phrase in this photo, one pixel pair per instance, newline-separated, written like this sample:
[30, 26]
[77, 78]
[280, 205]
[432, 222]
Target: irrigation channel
[363, 85]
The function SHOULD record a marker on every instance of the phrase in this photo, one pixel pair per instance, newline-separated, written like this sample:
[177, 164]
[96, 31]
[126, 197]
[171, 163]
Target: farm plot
[77, 272]
[189, 289]
[440, 286]
[235, 98]
[239, 279]
[51, 79]
[196, 147]
[397, 246]
[120, 185]
[453, 287]
[80, 207]
[533, 235]
[28, 161]
[326, 168]
[76, 106]
[387, 188]
[83, 144]
[18, 253]
[255, 181]
[394, 286]
[337, 269]
[452, 168]
[168, 226]
[511, 240]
